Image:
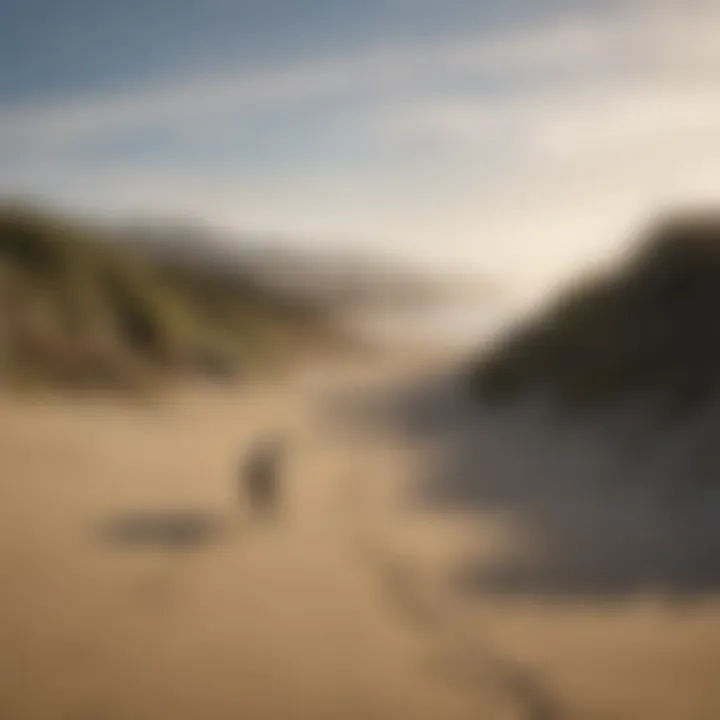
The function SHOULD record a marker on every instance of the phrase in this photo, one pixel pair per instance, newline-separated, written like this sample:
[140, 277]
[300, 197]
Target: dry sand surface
[135, 586]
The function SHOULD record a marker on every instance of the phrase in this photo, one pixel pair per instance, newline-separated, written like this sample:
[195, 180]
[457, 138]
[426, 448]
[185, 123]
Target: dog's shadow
[177, 530]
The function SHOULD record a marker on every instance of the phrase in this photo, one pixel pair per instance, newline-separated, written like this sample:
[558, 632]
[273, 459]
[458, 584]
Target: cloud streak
[578, 42]
[523, 151]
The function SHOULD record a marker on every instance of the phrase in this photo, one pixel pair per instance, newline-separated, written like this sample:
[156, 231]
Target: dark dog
[261, 478]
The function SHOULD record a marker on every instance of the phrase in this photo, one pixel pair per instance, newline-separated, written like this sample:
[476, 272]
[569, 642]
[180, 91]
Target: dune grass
[649, 328]
[78, 310]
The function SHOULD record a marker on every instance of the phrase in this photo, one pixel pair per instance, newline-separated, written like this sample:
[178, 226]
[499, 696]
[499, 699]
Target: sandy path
[259, 622]
[337, 612]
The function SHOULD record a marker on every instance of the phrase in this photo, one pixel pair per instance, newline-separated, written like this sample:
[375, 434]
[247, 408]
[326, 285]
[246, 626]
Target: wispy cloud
[577, 42]
[523, 151]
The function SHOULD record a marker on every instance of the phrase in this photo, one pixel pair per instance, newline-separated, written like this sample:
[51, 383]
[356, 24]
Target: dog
[261, 477]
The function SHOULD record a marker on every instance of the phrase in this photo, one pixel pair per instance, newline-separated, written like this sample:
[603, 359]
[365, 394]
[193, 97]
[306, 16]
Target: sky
[521, 139]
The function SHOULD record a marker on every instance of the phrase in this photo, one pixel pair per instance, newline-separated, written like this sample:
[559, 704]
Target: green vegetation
[650, 328]
[80, 310]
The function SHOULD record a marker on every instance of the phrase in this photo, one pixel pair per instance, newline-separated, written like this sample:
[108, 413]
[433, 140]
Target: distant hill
[649, 329]
[78, 308]
[342, 278]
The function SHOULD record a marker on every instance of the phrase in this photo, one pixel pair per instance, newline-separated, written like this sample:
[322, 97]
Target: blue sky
[519, 138]
[52, 47]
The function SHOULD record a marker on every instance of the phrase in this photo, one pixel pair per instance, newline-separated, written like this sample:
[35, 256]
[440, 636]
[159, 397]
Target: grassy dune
[79, 310]
[649, 328]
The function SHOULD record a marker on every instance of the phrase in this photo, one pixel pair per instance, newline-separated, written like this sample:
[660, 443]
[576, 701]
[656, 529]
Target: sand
[135, 584]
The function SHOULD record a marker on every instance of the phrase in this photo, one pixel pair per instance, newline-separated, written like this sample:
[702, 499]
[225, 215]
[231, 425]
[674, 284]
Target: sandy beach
[134, 585]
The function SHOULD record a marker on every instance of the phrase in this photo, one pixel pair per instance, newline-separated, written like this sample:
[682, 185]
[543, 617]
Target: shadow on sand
[604, 507]
[169, 530]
